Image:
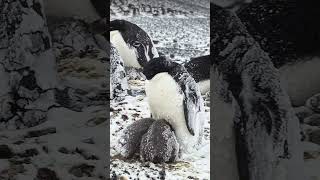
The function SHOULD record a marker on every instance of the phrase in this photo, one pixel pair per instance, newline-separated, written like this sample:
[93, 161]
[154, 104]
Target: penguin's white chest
[127, 54]
[71, 8]
[166, 102]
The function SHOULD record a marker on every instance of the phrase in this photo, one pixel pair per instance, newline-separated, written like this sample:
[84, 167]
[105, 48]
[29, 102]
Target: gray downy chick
[159, 144]
[130, 140]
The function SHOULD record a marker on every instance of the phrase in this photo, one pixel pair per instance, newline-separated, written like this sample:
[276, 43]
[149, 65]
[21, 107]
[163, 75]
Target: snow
[195, 164]
[179, 37]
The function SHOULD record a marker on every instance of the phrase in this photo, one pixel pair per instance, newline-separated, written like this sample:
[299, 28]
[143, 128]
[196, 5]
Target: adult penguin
[133, 43]
[173, 95]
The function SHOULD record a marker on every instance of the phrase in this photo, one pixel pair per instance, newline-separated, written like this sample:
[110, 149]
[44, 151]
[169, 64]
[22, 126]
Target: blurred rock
[131, 138]
[313, 120]
[314, 103]
[82, 170]
[302, 112]
[159, 144]
[5, 152]
[46, 174]
[314, 136]
[42, 132]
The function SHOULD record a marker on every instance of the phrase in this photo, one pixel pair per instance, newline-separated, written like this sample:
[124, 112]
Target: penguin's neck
[128, 54]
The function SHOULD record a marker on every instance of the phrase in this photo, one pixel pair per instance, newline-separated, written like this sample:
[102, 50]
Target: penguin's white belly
[71, 8]
[166, 102]
[301, 80]
[204, 86]
[127, 54]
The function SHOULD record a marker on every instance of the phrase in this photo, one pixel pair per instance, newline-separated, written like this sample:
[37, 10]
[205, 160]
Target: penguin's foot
[130, 140]
[159, 144]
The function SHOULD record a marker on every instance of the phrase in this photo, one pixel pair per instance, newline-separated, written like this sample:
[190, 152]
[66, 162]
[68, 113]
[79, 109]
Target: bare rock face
[130, 140]
[27, 65]
[159, 144]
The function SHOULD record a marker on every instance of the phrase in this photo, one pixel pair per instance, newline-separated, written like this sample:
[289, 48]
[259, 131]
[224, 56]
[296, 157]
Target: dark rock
[88, 141]
[314, 103]
[311, 155]
[5, 152]
[313, 120]
[124, 117]
[82, 170]
[131, 138]
[64, 150]
[29, 153]
[37, 133]
[159, 144]
[45, 149]
[46, 174]
[302, 112]
[314, 136]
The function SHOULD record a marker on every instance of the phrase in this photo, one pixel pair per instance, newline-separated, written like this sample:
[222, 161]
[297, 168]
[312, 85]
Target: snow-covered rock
[118, 76]
[27, 65]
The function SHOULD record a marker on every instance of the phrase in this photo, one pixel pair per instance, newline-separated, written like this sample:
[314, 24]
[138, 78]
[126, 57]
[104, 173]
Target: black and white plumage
[133, 43]
[199, 69]
[173, 95]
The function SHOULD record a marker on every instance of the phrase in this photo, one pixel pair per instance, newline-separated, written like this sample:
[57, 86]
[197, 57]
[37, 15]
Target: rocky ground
[179, 35]
[131, 109]
[310, 123]
[64, 147]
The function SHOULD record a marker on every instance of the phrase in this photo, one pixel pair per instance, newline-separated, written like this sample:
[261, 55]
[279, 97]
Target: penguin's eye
[136, 44]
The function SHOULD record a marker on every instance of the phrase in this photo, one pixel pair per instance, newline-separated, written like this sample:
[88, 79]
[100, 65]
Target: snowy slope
[122, 114]
[179, 36]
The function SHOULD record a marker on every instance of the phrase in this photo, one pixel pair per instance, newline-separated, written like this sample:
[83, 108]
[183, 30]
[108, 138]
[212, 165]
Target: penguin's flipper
[191, 101]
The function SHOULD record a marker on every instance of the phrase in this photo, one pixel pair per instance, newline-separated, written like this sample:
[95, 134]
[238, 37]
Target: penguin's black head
[158, 65]
[136, 38]
[117, 24]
